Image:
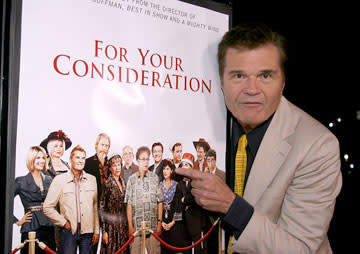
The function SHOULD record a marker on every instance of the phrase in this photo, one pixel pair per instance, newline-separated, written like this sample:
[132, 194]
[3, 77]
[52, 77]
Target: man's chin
[102, 154]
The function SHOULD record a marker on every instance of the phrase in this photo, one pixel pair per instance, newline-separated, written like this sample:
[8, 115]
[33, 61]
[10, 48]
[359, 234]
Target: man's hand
[95, 239]
[105, 238]
[67, 225]
[209, 190]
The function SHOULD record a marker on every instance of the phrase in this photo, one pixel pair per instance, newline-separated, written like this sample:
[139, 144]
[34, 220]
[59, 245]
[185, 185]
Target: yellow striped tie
[240, 171]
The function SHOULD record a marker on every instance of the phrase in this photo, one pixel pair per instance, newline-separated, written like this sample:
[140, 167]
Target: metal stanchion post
[32, 239]
[143, 236]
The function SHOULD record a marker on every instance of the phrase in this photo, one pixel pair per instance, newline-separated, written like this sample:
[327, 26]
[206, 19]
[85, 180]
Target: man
[96, 165]
[176, 151]
[195, 216]
[211, 164]
[215, 237]
[157, 150]
[144, 202]
[76, 193]
[129, 167]
[201, 147]
[292, 161]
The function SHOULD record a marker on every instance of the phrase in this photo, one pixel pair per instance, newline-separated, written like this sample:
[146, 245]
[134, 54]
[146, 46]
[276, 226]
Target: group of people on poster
[69, 204]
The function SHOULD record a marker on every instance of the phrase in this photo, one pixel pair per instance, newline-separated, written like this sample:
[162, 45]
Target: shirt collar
[146, 174]
[96, 158]
[127, 168]
[254, 137]
[72, 176]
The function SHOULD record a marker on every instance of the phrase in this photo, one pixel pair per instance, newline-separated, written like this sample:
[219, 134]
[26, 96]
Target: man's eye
[239, 76]
[266, 75]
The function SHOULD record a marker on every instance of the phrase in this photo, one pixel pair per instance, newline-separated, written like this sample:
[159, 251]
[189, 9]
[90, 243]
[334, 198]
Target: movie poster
[141, 71]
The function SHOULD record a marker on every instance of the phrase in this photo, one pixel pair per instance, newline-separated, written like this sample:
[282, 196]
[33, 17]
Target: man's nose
[252, 85]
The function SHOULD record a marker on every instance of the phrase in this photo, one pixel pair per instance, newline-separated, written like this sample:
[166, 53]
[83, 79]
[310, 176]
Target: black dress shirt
[94, 167]
[241, 211]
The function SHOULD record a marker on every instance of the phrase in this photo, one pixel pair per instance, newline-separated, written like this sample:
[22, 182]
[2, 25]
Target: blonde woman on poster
[32, 190]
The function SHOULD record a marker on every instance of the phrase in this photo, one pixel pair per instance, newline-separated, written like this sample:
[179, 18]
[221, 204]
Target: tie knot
[242, 142]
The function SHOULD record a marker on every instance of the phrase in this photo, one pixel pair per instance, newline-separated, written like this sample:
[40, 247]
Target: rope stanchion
[127, 243]
[188, 247]
[19, 247]
[50, 251]
[32, 240]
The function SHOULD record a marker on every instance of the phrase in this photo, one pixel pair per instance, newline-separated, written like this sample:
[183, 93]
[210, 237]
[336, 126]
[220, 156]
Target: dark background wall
[322, 79]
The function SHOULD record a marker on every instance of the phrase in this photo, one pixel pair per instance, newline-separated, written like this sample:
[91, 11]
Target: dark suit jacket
[30, 195]
[158, 170]
[195, 216]
[220, 174]
[92, 167]
[134, 169]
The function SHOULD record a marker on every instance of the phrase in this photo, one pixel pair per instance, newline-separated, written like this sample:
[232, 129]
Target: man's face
[177, 153]
[143, 161]
[128, 155]
[102, 148]
[211, 162]
[157, 153]
[200, 153]
[252, 84]
[77, 160]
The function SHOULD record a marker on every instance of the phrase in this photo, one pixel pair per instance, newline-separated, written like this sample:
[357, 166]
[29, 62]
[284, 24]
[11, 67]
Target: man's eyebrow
[236, 72]
[267, 71]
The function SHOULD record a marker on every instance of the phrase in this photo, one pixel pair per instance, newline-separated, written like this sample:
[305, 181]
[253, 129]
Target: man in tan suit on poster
[292, 161]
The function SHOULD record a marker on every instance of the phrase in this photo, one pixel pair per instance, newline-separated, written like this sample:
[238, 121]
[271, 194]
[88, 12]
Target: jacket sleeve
[306, 210]
[16, 192]
[95, 207]
[51, 200]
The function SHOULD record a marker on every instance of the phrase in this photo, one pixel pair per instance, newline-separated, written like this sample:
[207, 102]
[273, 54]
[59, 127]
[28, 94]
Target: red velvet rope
[184, 248]
[48, 250]
[19, 247]
[14, 250]
[125, 245]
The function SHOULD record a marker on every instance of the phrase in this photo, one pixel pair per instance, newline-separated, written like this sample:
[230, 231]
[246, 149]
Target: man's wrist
[238, 215]
[229, 203]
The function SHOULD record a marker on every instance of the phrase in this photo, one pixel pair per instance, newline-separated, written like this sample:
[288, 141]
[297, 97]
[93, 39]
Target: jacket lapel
[31, 185]
[271, 154]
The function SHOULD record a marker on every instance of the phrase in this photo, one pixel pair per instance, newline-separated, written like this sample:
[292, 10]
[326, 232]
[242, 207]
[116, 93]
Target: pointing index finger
[188, 172]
